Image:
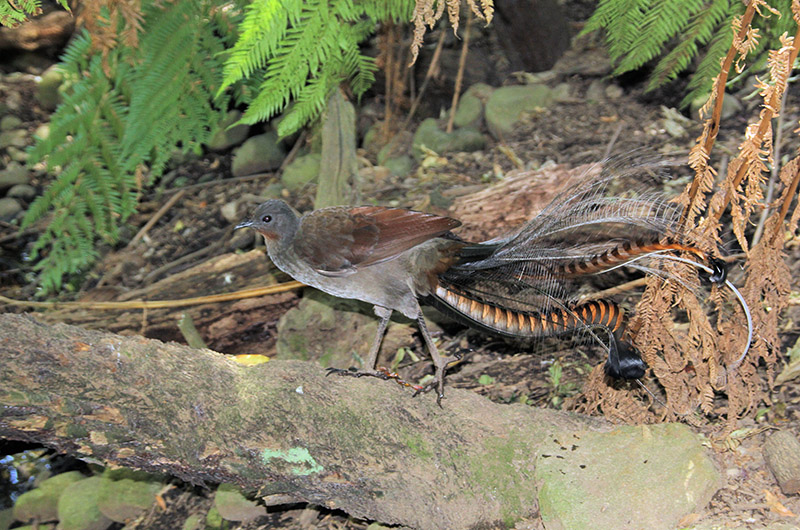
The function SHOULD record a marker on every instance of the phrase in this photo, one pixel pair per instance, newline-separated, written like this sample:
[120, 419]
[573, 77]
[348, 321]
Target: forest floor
[572, 132]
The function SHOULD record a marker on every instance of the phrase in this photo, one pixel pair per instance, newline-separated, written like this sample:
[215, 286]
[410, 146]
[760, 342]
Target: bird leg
[438, 361]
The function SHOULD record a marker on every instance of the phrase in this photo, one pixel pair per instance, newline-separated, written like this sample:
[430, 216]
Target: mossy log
[283, 428]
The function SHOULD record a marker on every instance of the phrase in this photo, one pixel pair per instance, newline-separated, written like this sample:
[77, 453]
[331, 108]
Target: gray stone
[258, 154]
[42, 131]
[398, 145]
[16, 154]
[42, 503]
[596, 91]
[9, 122]
[399, 166]
[14, 137]
[730, 106]
[230, 211]
[605, 480]
[508, 105]
[470, 107]
[301, 171]
[613, 92]
[6, 518]
[431, 137]
[562, 92]
[127, 499]
[233, 506]
[12, 175]
[77, 506]
[48, 92]
[229, 135]
[26, 192]
[9, 208]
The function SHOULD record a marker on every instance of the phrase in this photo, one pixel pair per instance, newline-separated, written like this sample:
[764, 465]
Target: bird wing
[337, 241]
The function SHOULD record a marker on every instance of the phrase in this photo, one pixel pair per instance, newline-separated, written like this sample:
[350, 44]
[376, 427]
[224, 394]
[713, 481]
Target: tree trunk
[360, 445]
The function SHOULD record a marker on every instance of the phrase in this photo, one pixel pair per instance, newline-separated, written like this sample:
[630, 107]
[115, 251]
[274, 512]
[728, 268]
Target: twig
[462, 61]
[428, 75]
[773, 176]
[613, 140]
[159, 304]
[183, 259]
[154, 219]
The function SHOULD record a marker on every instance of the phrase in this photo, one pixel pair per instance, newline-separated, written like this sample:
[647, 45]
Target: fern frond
[698, 33]
[659, 24]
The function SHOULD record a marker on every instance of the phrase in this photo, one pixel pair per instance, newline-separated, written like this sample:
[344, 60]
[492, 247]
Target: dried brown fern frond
[428, 12]
[703, 362]
[102, 19]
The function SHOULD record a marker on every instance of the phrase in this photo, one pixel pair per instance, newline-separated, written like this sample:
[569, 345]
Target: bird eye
[266, 218]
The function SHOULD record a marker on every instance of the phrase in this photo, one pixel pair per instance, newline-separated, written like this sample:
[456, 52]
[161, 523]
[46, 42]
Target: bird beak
[244, 224]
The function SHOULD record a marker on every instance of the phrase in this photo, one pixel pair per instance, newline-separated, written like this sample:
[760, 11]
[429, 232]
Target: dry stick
[764, 123]
[716, 115]
[462, 61]
[613, 140]
[158, 215]
[428, 75]
[787, 199]
[159, 304]
[773, 176]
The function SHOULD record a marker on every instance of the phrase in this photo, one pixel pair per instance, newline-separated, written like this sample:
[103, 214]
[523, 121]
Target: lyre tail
[623, 360]
[625, 253]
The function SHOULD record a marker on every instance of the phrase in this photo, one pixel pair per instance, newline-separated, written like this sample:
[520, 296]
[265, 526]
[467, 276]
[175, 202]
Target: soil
[571, 132]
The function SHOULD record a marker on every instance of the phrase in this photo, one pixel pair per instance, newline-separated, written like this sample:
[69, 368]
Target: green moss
[497, 471]
[294, 455]
[74, 431]
[419, 447]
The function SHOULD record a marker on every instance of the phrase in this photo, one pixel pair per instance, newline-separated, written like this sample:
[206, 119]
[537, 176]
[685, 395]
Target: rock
[127, 499]
[9, 208]
[9, 122]
[470, 107]
[562, 92]
[35, 504]
[230, 211]
[429, 135]
[731, 106]
[335, 331]
[605, 480]
[47, 92]
[372, 138]
[301, 171]
[258, 154]
[214, 521]
[399, 166]
[398, 145]
[6, 518]
[16, 154]
[26, 192]
[42, 502]
[233, 506]
[194, 522]
[227, 136]
[613, 92]
[77, 506]
[596, 91]
[12, 175]
[42, 131]
[14, 137]
[509, 104]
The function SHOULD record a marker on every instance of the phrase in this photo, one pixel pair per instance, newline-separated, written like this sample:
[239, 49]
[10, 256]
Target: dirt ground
[572, 132]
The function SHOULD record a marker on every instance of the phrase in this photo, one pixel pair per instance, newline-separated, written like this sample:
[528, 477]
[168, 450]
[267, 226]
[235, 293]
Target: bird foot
[380, 373]
[438, 380]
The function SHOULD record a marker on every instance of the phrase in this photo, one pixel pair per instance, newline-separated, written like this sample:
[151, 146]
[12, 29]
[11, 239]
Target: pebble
[12, 175]
[9, 122]
[26, 192]
[9, 208]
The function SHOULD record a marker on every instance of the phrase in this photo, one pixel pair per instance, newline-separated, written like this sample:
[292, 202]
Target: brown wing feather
[338, 240]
